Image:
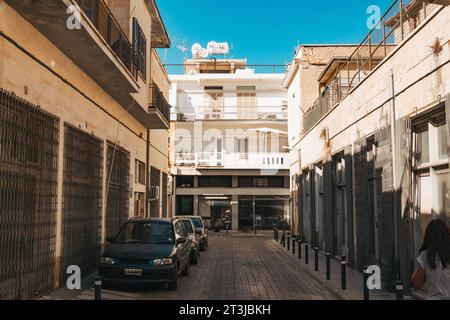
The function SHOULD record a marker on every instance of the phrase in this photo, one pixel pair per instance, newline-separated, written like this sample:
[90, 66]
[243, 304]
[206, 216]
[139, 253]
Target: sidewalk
[354, 278]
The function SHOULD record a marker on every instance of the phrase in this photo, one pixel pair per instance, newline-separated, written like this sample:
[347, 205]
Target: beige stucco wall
[38, 83]
[421, 80]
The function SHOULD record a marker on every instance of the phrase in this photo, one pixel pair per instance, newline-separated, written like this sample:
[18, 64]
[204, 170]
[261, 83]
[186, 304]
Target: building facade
[229, 145]
[84, 125]
[370, 154]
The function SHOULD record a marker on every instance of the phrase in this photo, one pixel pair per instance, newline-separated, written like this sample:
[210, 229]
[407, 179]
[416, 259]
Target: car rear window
[146, 232]
[197, 223]
[187, 226]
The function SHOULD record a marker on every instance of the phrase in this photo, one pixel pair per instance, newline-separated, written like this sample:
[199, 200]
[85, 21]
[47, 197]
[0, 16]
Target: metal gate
[82, 204]
[118, 195]
[28, 198]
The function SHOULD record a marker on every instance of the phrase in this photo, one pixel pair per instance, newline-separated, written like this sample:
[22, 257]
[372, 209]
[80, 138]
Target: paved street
[237, 266]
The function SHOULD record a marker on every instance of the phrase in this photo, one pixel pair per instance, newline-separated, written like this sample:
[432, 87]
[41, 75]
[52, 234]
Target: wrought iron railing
[99, 14]
[159, 102]
[399, 21]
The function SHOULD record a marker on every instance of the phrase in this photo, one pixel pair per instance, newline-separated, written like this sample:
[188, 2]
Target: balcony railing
[159, 102]
[103, 20]
[232, 160]
[400, 20]
[230, 113]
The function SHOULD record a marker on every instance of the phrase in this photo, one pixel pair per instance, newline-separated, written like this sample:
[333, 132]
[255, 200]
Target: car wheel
[185, 271]
[173, 284]
[194, 258]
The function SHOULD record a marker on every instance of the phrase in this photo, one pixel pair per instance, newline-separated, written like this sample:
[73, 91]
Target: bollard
[283, 239]
[365, 287]
[293, 245]
[344, 273]
[98, 288]
[299, 248]
[227, 228]
[288, 241]
[306, 253]
[316, 259]
[274, 234]
[328, 265]
[399, 290]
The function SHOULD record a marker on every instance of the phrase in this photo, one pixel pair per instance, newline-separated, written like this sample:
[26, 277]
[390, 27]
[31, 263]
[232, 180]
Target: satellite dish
[199, 52]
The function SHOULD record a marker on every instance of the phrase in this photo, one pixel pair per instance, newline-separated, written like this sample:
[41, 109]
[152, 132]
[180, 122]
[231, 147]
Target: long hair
[437, 243]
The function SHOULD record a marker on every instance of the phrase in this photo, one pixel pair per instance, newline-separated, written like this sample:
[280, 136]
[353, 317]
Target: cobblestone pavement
[235, 267]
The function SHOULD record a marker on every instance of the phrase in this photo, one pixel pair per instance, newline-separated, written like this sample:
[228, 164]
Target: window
[139, 175]
[242, 148]
[214, 102]
[431, 170]
[140, 48]
[215, 182]
[185, 181]
[246, 102]
[184, 205]
[261, 182]
[139, 204]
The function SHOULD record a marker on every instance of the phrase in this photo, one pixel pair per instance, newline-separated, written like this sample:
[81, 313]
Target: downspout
[394, 167]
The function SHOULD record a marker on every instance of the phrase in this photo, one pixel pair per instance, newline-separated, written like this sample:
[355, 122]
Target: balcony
[222, 160]
[99, 47]
[401, 19]
[159, 109]
[261, 113]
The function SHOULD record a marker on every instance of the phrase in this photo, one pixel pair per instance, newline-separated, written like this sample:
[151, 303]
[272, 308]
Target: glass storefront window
[219, 209]
[267, 212]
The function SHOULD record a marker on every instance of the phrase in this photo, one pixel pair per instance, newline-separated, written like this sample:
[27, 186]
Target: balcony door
[213, 104]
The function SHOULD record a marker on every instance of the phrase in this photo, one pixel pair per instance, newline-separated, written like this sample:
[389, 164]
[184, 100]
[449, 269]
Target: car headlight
[163, 262]
[107, 260]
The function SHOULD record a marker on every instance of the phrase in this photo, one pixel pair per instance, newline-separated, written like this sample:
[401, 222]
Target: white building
[229, 146]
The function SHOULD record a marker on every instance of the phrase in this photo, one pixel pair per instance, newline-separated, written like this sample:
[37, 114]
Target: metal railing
[232, 160]
[230, 113]
[99, 14]
[399, 21]
[159, 102]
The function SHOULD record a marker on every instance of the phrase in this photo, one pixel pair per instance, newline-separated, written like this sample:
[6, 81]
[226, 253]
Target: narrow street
[235, 267]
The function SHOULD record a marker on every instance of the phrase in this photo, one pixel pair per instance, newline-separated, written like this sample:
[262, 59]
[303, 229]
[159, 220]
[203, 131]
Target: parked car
[201, 231]
[147, 251]
[193, 239]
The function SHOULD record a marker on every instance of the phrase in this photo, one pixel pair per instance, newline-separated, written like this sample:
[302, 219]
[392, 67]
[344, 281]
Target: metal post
[227, 228]
[365, 287]
[299, 248]
[293, 245]
[274, 234]
[316, 259]
[401, 20]
[399, 290]
[288, 241]
[98, 288]
[328, 267]
[283, 239]
[306, 253]
[344, 273]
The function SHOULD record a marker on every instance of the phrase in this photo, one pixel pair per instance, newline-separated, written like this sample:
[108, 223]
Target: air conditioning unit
[154, 193]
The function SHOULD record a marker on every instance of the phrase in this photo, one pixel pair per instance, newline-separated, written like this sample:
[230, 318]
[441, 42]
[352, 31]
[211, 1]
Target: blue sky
[263, 31]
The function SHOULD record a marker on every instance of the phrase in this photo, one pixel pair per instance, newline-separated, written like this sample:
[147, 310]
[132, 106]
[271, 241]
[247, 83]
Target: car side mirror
[110, 239]
[181, 240]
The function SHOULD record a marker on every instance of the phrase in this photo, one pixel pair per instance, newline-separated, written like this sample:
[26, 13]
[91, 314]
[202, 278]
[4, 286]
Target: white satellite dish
[198, 51]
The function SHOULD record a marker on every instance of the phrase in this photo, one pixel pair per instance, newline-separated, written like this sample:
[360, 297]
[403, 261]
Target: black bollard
[299, 248]
[288, 241]
[306, 253]
[227, 228]
[365, 287]
[283, 239]
[399, 288]
[293, 245]
[316, 259]
[274, 234]
[98, 288]
[328, 266]
[344, 273]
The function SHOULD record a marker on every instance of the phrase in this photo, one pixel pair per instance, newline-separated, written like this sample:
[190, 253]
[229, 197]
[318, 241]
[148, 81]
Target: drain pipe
[394, 166]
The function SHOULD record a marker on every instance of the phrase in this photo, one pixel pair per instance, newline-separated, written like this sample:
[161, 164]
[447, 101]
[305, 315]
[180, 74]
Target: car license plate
[133, 272]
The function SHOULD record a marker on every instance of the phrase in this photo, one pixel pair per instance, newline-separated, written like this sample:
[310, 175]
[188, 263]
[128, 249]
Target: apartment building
[84, 125]
[369, 154]
[229, 145]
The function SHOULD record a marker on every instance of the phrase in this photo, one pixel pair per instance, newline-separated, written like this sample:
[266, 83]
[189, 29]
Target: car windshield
[197, 223]
[187, 226]
[146, 232]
